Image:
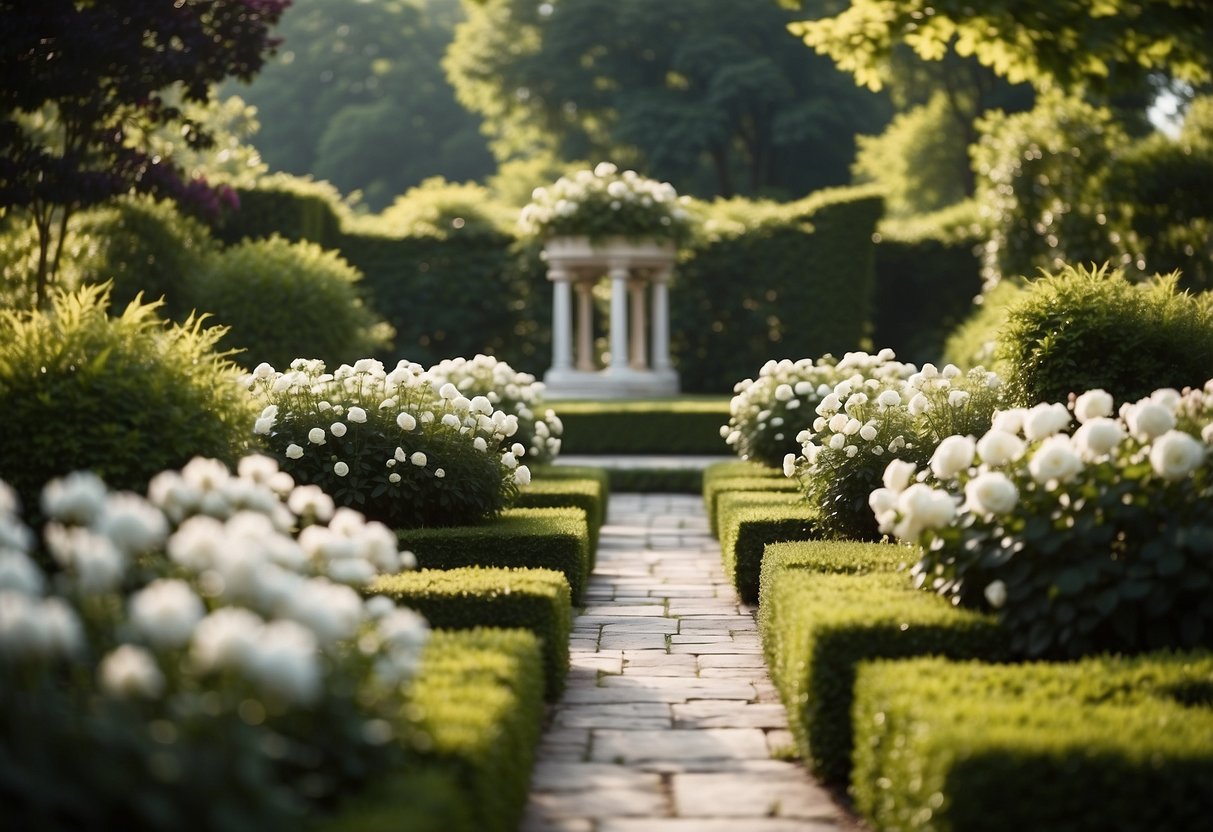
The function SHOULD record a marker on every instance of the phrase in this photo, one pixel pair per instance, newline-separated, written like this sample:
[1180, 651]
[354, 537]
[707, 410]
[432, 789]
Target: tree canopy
[712, 95]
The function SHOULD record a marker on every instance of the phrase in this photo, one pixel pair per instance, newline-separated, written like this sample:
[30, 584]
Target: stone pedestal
[638, 363]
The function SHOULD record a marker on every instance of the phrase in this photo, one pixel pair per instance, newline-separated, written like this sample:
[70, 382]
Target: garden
[293, 533]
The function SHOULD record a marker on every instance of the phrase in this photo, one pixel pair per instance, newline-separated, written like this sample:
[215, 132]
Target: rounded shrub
[123, 396]
[539, 428]
[446, 210]
[389, 444]
[281, 299]
[1086, 328]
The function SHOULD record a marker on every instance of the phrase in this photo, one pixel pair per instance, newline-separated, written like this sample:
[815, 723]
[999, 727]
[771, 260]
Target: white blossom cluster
[514, 392]
[604, 201]
[213, 577]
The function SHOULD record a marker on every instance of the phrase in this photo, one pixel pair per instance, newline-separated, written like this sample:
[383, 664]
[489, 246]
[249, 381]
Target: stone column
[585, 326]
[661, 320]
[562, 320]
[618, 272]
[639, 358]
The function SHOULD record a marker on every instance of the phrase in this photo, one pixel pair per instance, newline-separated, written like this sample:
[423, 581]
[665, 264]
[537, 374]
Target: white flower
[897, 475]
[889, 398]
[1055, 460]
[882, 500]
[1097, 436]
[996, 594]
[1148, 419]
[406, 421]
[448, 391]
[451, 420]
[418, 458]
[1045, 420]
[340, 469]
[1009, 421]
[868, 432]
[393, 478]
[19, 573]
[132, 523]
[1093, 404]
[921, 508]
[508, 460]
[130, 671]
[1176, 454]
[316, 436]
[999, 448]
[991, 492]
[356, 414]
[263, 371]
[958, 398]
[1168, 397]
[837, 442]
[284, 661]
[263, 426]
[165, 612]
[953, 455]
[439, 472]
[293, 451]
[784, 392]
[919, 404]
[338, 429]
[224, 638]
[522, 475]
[311, 500]
[789, 465]
[1206, 433]
[75, 498]
[479, 444]
[96, 563]
[517, 450]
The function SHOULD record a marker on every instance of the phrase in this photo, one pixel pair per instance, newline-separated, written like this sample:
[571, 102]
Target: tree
[357, 95]
[1099, 45]
[712, 95]
[84, 80]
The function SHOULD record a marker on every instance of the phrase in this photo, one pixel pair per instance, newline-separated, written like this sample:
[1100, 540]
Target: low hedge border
[733, 468]
[577, 472]
[470, 597]
[656, 480]
[473, 718]
[835, 557]
[816, 629]
[1103, 743]
[568, 492]
[543, 538]
[748, 522]
[686, 426]
[713, 488]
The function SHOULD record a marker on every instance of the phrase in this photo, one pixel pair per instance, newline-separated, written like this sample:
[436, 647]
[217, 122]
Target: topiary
[1087, 328]
[124, 397]
[282, 299]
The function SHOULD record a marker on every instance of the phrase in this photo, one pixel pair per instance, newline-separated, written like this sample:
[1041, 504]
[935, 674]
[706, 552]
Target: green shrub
[476, 709]
[142, 246]
[282, 300]
[644, 426]
[642, 480]
[125, 397]
[446, 210]
[578, 472]
[420, 798]
[733, 469]
[544, 538]
[293, 207]
[586, 495]
[462, 599]
[973, 342]
[748, 522]
[1084, 329]
[832, 557]
[1105, 743]
[797, 278]
[389, 444]
[817, 628]
[717, 486]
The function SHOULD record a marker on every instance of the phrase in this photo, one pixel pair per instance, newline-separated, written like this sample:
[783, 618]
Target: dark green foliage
[816, 630]
[577, 472]
[798, 280]
[716, 486]
[420, 798]
[656, 480]
[546, 538]
[1082, 329]
[126, 397]
[287, 206]
[462, 599]
[644, 426]
[972, 343]
[283, 300]
[928, 270]
[586, 495]
[749, 521]
[1105, 743]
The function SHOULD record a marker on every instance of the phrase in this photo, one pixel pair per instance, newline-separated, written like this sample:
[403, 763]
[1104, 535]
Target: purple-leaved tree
[85, 80]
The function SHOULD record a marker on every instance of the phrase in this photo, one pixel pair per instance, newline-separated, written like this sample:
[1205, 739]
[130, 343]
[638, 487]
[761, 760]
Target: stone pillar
[562, 320]
[618, 272]
[639, 358]
[585, 326]
[661, 320]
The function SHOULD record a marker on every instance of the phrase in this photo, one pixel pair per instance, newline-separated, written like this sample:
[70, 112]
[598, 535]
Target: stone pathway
[669, 722]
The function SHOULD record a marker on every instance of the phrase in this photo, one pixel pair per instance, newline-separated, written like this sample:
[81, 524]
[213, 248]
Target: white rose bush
[199, 658]
[604, 202]
[881, 409]
[520, 394]
[394, 445]
[1083, 527]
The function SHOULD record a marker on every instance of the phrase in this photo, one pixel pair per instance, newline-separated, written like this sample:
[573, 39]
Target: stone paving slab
[669, 722]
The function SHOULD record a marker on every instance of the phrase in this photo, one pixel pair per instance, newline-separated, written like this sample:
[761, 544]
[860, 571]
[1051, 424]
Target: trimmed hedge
[587, 495]
[817, 628]
[546, 538]
[832, 557]
[1105, 743]
[751, 520]
[733, 468]
[714, 487]
[656, 480]
[462, 599]
[474, 716]
[577, 472]
[643, 426]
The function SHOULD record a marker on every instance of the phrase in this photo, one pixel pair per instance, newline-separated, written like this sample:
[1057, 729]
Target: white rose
[418, 459]
[998, 447]
[1175, 454]
[130, 671]
[882, 500]
[337, 429]
[341, 469]
[1045, 420]
[1093, 404]
[1098, 436]
[991, 493]
[867, 432]
[1009, 421]
[1148, 419]
[838, 422]
[837, 442]
[897, 475]
[889, 398]
[406, 421]
[925, 507]
[522, 475]
[1055, 460]
[919, 404]
[958, 398]
[784, 392]
[954, 454]
[996, 594]
[789, 465]
[165, 612]
[293, 451]
[316, 436]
